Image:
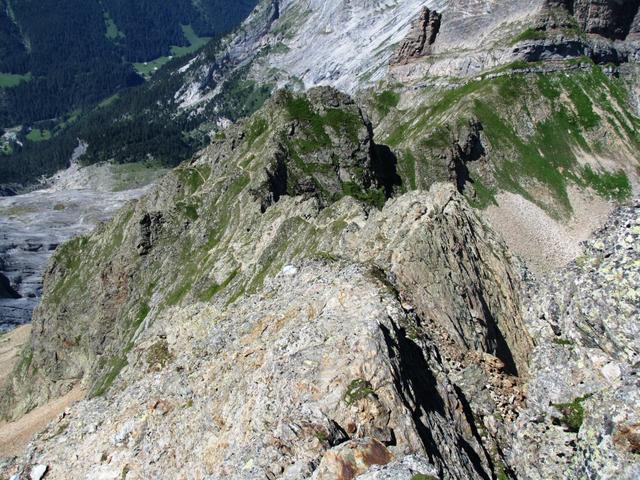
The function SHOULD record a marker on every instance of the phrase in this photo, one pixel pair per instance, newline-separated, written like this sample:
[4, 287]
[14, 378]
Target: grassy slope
[535, 126]
[8, 80]
[147, 69]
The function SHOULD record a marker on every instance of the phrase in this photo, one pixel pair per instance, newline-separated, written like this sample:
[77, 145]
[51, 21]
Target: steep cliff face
[609, 18]
[612, 19]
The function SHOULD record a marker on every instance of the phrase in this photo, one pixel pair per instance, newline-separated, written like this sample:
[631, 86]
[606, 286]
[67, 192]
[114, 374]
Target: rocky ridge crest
[368, 284]
[258, 317]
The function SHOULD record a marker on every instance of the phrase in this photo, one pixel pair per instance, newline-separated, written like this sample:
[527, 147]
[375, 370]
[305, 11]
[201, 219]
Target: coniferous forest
[60, 59]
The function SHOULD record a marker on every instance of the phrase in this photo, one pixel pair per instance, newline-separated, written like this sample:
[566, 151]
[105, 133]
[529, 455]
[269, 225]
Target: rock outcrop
[613, 19]
[280, 307]
[609, 18]
[328, 350]
[423, 34]
[583, 404]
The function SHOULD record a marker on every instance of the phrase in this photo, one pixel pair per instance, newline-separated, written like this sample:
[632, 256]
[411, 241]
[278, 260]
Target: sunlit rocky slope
[334, 287]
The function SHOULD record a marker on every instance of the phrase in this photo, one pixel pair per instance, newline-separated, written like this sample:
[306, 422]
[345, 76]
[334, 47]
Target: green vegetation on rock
[8, 80]
[572, 413]
[385, 101]
[37, 135]
[357, 390]
[535, 127]
[529, 34]
[158, 355]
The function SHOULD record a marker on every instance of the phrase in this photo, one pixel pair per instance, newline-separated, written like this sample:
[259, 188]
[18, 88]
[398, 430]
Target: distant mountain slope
[349, 45]
[72, 53]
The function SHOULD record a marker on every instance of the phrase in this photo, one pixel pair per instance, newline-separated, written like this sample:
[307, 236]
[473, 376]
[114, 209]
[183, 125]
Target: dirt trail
[14, 436]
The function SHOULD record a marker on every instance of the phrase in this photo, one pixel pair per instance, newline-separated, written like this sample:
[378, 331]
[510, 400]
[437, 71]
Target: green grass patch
[256, 128]
[343, 123]
[484, 196]
[572, 413]
[109, 100]
[357, 390]
[68, 257]
[37, 135]
[195, 42]
[528, 152]
[614, 186]
[113, 32]
[214, 288]
[407, 167]
[372, 196]
[135, 175]
[385, 101]
[103, 384]
[193, 177]
[9, 80]
[6, 149]
[189, 210]
[340, 121]
[26, 357]
[529, 34]
[147, 69]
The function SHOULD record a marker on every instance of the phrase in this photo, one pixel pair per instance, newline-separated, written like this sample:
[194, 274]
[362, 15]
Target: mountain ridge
[319, 293]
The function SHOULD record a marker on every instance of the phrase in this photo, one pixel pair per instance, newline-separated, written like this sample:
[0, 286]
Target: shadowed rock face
[609, 18]
[6, 291]
[614, 19]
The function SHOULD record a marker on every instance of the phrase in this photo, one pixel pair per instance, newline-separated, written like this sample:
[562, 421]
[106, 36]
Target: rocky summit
[433, 275]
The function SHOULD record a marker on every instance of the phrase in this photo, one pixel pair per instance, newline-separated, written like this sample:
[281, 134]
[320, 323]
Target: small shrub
[158, 355]
[572, 413]
[357, 390]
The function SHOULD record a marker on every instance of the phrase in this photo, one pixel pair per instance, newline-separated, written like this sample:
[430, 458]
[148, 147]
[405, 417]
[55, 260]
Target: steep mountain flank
[557, 135]
[256, 315]
[320, 293]
[553, 127]
[297, 181]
